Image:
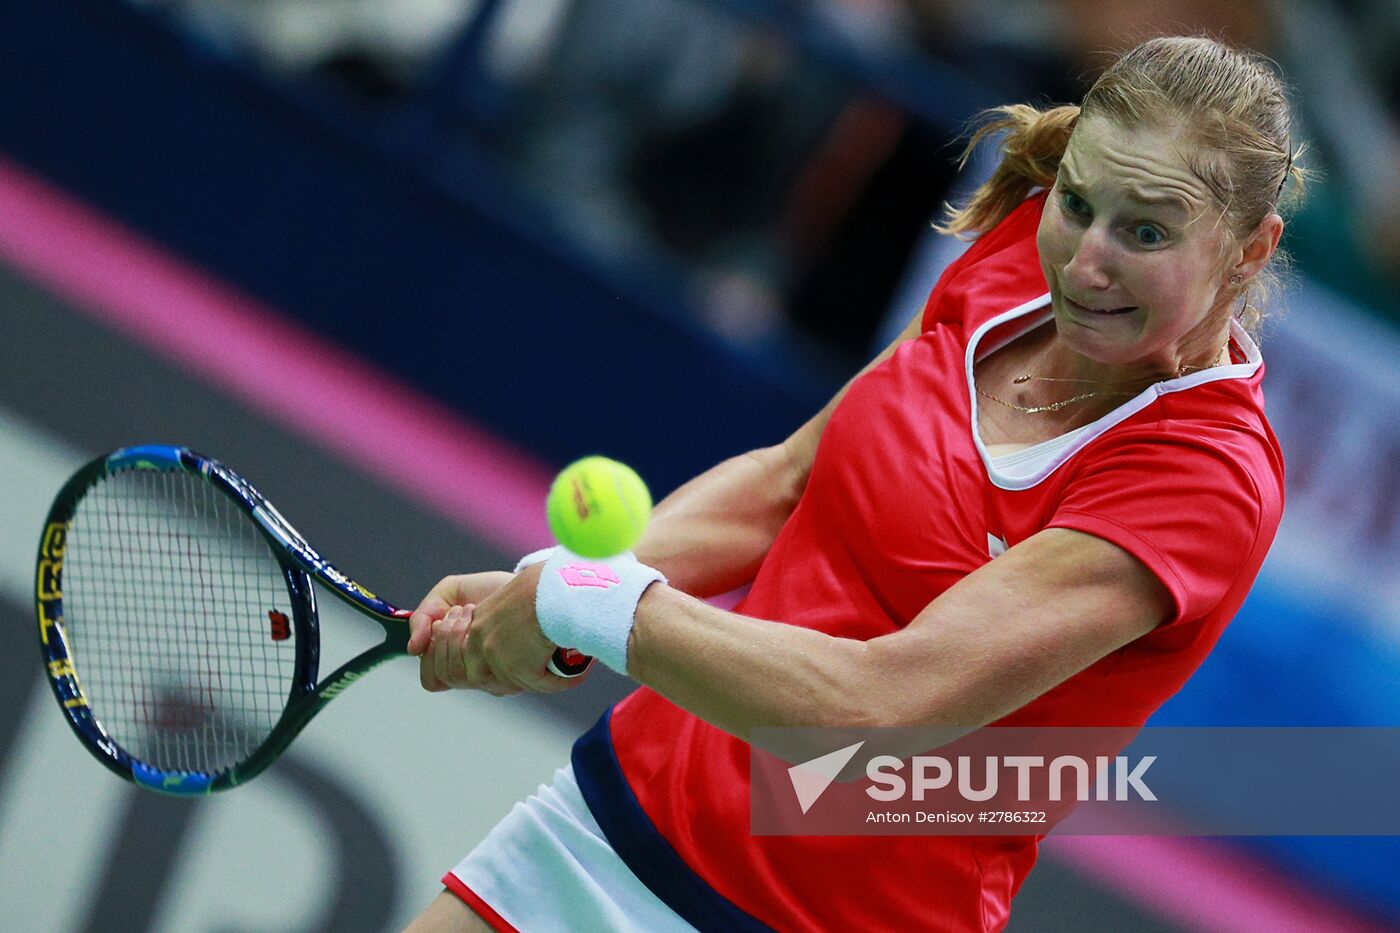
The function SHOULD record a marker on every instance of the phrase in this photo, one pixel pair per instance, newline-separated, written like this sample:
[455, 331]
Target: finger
[478, 671]
[449, 633]
[430, 665]
[432, 608]
[455, 590]
[419, 633]
[428, 679]
[426, 676]
[478, 675]
[450, 591]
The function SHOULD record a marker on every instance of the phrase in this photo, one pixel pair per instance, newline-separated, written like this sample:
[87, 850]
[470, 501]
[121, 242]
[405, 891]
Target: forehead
[1148, 164]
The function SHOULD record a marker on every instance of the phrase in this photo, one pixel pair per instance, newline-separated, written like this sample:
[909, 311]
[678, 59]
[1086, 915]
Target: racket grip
[566, 662]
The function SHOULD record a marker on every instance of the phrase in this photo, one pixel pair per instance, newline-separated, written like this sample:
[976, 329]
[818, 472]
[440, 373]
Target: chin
[1090, 342]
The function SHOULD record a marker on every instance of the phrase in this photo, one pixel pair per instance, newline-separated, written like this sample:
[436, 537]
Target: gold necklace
[1053, 406]
[1063, 403]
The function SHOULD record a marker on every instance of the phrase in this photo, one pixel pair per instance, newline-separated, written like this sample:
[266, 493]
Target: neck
[1056, 360]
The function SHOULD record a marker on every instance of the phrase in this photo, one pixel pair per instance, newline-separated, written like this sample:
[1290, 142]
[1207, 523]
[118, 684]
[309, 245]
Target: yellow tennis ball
[598, 507]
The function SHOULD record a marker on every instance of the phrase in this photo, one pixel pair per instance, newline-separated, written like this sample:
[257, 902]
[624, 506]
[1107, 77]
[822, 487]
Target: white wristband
[535, 557]
[590, 605]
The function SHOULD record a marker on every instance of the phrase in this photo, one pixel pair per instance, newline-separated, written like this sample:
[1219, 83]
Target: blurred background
[397, 262]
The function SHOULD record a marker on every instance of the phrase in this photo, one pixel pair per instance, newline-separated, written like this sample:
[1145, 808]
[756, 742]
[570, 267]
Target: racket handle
[566, 662]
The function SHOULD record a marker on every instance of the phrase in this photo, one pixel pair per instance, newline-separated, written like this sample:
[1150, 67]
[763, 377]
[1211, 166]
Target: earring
[1236, 279]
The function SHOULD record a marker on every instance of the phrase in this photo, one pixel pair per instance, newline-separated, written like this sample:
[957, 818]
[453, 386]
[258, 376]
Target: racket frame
[300, 563]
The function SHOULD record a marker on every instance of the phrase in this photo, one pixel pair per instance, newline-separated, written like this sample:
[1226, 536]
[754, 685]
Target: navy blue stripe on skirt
[636, 840]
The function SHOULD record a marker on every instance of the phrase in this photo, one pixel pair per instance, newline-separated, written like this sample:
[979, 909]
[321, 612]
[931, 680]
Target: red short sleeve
[1199, 514]
[1000, 269]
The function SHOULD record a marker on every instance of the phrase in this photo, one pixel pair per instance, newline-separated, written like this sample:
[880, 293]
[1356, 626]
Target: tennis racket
[178, 621]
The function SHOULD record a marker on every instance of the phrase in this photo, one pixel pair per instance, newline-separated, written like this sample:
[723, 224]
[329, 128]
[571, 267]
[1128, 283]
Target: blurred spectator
[580, 114]
[785, 192]
[377, 48]
[790, 194]
[1348, 234]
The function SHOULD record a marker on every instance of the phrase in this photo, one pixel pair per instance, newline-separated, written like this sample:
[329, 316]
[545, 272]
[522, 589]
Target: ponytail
[1033, 144]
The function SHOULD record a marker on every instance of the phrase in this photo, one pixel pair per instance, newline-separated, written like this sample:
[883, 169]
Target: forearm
[737, 673]
[710, 535]
[1002, 636]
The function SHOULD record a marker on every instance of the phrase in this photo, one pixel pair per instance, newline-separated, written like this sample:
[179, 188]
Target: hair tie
[1287, 170]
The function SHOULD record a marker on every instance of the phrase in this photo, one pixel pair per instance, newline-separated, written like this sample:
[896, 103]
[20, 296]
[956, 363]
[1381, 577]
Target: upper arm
[1199, 513]
[1153, 528]
[1018, 626]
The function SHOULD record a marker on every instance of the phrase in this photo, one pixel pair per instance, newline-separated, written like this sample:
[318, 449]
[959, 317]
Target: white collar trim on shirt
[1035, 463]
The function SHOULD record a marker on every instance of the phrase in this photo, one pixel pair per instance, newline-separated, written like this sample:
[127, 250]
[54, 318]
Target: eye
[1149, 235]
[1073, 203]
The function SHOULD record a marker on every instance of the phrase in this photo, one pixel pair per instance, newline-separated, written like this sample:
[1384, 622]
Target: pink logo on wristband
[580, 573]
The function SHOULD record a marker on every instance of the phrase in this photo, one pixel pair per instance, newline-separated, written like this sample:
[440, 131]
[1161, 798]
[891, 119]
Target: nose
[1088, 268]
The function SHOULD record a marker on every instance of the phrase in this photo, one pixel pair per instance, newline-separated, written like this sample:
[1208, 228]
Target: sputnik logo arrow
[810, 779]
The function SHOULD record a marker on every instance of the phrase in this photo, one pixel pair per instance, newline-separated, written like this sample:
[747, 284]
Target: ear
[1258, 249]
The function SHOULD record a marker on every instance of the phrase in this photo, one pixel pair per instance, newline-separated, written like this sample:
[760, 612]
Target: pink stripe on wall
[284, 371]
[436, 456]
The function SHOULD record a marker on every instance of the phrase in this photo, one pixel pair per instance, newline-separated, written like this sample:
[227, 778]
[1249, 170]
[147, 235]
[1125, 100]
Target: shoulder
[1181, 460]
[1001, 270]
[1197, 500]
[1228, 418]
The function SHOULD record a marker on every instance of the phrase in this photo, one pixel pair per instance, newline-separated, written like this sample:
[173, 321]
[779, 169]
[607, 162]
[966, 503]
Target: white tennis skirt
[547, 867]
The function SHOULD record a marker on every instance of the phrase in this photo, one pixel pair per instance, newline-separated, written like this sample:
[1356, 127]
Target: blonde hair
[1232, 101]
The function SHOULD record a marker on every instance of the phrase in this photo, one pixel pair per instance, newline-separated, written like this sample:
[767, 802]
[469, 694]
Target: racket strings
[167, 587]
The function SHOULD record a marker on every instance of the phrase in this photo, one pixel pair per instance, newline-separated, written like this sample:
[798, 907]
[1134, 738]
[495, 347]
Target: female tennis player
[1040, 506]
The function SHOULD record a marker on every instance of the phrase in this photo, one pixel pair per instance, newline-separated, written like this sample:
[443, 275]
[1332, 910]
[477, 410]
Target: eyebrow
[1136, 194]
[1160, 200]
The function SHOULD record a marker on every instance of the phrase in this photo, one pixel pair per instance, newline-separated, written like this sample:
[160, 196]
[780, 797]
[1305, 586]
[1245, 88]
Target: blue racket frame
[300, 564]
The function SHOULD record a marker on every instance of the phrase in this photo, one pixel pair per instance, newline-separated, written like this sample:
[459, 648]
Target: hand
[449, 660]
[505, 637]
[457, 590]
[442, 619]
[493, 645]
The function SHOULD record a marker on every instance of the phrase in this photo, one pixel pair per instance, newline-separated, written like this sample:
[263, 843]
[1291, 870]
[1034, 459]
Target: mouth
[1101, 312]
